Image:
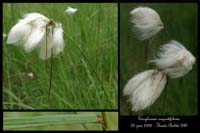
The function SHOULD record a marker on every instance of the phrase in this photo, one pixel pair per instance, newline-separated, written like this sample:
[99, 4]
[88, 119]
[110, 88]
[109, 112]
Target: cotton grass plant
[173, 61]
[37, 31]
[45, 34]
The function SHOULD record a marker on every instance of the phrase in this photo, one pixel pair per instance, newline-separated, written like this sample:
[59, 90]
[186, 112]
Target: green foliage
[75, 85]
[180, 20]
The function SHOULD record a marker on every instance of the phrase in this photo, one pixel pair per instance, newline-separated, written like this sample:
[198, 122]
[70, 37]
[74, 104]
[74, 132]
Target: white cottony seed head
[147, 22]
[35, 31]
[144, 88]
[20, 32]
[174, 59]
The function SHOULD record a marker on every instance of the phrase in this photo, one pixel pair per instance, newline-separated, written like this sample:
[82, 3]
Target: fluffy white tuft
[30, 32]
[71, 10]
[45, 50]
[18, 32]
[34, 39]
[144, 88]
[58, 39]
[147, 22]
[174, 59]
[135, 81]
[33, 17]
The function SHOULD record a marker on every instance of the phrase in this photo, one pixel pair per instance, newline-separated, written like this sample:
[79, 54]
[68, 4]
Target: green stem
[110, 120]
[105, 119]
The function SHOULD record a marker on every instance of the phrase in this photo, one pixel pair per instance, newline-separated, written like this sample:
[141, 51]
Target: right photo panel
[158, 59]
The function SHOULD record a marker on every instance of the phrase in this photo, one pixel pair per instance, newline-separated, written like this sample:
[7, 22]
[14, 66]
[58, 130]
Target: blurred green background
[112, 118]
[180, 21]
[74, 84]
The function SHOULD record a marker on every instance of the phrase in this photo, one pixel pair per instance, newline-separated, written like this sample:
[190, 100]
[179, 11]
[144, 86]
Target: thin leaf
[21, 122]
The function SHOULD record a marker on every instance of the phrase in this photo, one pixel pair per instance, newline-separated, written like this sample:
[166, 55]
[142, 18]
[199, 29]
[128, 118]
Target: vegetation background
[180, 21]
[94, 28]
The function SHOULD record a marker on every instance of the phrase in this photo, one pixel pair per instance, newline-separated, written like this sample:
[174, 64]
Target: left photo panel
[60, 56]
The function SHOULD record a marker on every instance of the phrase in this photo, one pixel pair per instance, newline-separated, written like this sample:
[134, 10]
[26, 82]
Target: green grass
[60, 120]
[82, 74]
[180, 20]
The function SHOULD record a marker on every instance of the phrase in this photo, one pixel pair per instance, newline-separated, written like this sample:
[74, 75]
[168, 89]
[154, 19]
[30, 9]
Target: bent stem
[92, 68]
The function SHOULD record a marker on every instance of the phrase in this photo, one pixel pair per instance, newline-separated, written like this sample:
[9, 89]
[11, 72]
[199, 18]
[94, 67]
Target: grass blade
[22, 122]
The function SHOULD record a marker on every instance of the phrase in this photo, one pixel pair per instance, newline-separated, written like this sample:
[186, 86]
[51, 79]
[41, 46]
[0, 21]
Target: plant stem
[105, 120]
[46, 46]
[51, 71]
[110, 120]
